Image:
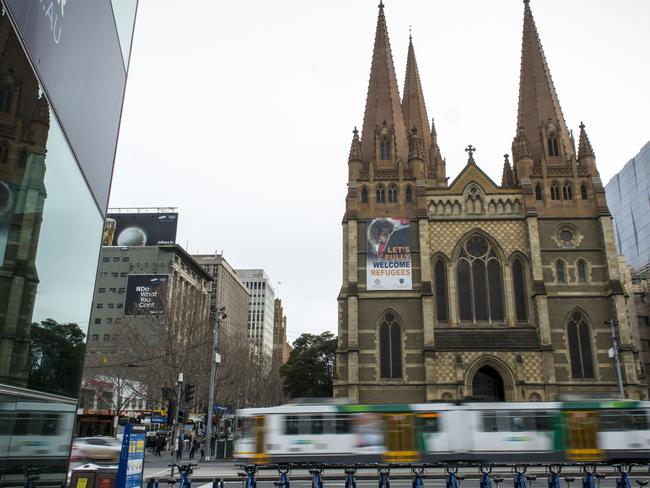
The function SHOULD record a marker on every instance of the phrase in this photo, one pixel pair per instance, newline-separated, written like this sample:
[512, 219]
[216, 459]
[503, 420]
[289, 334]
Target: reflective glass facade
[628, 198]
[51, 221]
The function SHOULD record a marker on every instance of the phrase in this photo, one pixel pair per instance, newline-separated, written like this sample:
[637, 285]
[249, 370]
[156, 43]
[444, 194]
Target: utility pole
[614, 353]
[219, 316]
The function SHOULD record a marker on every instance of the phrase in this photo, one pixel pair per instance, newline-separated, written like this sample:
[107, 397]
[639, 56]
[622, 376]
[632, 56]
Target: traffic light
[181, 417]
[171, 411]
[189, 393]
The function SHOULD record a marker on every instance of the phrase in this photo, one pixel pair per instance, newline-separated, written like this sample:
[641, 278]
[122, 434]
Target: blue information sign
[129, 473]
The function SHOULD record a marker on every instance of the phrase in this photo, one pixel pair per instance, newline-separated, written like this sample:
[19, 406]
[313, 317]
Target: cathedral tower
[470, 288]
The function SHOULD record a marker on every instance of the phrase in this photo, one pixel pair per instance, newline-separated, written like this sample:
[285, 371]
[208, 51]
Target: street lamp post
[614, 353]
[219, 316]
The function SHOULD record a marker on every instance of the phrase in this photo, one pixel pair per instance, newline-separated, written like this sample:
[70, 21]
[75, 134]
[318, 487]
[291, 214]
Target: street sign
[129, 473]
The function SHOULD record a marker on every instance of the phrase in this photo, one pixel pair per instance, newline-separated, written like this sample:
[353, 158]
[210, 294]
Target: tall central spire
[383, 110]
[538, 102]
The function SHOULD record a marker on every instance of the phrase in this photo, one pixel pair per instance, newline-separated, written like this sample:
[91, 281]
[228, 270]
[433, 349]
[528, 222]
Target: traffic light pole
[614, 353]
[218, 317]
[179, 402]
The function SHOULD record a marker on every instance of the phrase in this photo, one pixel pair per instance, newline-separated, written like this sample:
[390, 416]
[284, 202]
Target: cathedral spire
[413, 106]
[383, 121]
[584, 146]
[539, 107]
[507, 178]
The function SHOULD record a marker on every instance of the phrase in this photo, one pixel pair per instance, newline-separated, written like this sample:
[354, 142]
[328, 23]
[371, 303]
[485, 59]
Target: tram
[495, 432]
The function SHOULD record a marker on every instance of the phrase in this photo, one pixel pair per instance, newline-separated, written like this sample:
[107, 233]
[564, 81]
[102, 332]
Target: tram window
[316, 424]
[36, 424]
[291, 425]
[428, 423]
[621, 420]
[489, 423]
[342, 424]
[543, 421]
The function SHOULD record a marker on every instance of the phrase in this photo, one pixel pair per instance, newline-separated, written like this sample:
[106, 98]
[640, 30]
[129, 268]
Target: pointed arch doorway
[488, 385]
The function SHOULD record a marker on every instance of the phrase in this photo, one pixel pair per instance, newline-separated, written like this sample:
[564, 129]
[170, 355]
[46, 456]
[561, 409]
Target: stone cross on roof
[470, 150]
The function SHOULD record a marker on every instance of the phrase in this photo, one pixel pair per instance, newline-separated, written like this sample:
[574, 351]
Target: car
[97, 448]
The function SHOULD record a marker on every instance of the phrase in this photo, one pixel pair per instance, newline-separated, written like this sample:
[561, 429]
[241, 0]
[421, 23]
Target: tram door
[259, 434]
[400, 438]
[582, 435]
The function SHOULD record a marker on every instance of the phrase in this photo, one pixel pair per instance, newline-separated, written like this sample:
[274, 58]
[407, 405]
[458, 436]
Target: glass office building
[628, 198]
[63, 69]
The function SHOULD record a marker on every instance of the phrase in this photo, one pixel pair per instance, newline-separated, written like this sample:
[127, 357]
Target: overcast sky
[241, 113]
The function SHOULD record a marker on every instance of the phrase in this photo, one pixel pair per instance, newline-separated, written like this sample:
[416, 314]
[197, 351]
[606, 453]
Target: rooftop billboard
[140, 229]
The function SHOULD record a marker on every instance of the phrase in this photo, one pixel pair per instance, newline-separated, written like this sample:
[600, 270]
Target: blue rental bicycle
[283, 471]
[350, 480]
[453, 478]
[522, 480]
[624, 471]
[486, 480]
[316, 478]
[185, 471]
[554, 480]
[32, 474]
[418, 476]
[384, 476]
[248, 476]
[591, 478]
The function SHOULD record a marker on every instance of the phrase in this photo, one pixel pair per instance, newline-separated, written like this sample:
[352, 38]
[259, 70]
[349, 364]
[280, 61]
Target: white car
[97, 448]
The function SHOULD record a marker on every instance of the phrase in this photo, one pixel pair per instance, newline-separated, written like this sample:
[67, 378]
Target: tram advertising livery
[498, 432]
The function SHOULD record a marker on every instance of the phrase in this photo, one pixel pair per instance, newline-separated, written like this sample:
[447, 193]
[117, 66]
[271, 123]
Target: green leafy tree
[57, 357]
[309, 372]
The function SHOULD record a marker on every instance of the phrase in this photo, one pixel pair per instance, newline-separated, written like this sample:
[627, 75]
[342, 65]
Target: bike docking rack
[456, 475]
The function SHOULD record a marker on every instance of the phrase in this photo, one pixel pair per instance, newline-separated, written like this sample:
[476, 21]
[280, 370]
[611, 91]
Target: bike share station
[127, 474]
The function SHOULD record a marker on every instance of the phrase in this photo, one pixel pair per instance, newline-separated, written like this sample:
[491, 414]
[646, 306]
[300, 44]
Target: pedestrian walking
[160, 445]
[213, 445]
[202, 447]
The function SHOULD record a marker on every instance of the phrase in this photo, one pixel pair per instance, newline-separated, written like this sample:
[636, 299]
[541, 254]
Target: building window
[107, 337]
[6, 100]
[390, 346]
[567, 191]
[112, 290]
[98, 321]
[553, 148]
[555, 191]
[95, 337]
[480, 288]
[583, 192]
[384, 150]
[122, 290]
[109, 321]
[364, 194]
[408, 194]
[106, 260]
[582, 365]
[116, 259]
[538, 191]
[101, 290]
[392, 193]
[582, 271]
[519, 285]
[381, 194]
[4, 154]
[100, 305]
[560, 271]
[440, 274]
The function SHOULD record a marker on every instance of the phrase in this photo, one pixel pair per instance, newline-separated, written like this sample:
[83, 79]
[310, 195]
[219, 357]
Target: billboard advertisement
[75, 48]
[388, 254]
[140, 229]
[145, 294]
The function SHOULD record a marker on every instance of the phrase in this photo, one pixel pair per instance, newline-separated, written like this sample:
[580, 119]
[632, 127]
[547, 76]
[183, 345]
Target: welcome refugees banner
[388, 254]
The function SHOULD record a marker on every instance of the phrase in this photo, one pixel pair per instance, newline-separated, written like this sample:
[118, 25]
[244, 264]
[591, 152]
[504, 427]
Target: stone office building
[471, 288]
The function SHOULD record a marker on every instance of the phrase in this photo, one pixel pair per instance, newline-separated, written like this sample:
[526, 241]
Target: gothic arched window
[23, 158]
[582, 365]
[538, 191]
[4, 153]
[519, 285]
[560, 271]
[582, 271]
[553, 148]
[390, 346]
[567, 191]
[555, 191]
[6, 100]
[480, 289]
[408, 194]
[392, 193]
[364, 194]
[384, 150]
[584, 194]
[381, 194]
[440, 276]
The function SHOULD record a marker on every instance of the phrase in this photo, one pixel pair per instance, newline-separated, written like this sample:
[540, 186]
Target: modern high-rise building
[628, 198]
[62, 78]
[470, 288]
[260, 310]
[228, 291]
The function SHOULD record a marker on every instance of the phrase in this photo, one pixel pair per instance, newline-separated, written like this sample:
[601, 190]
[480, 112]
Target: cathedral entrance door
[488, 384]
